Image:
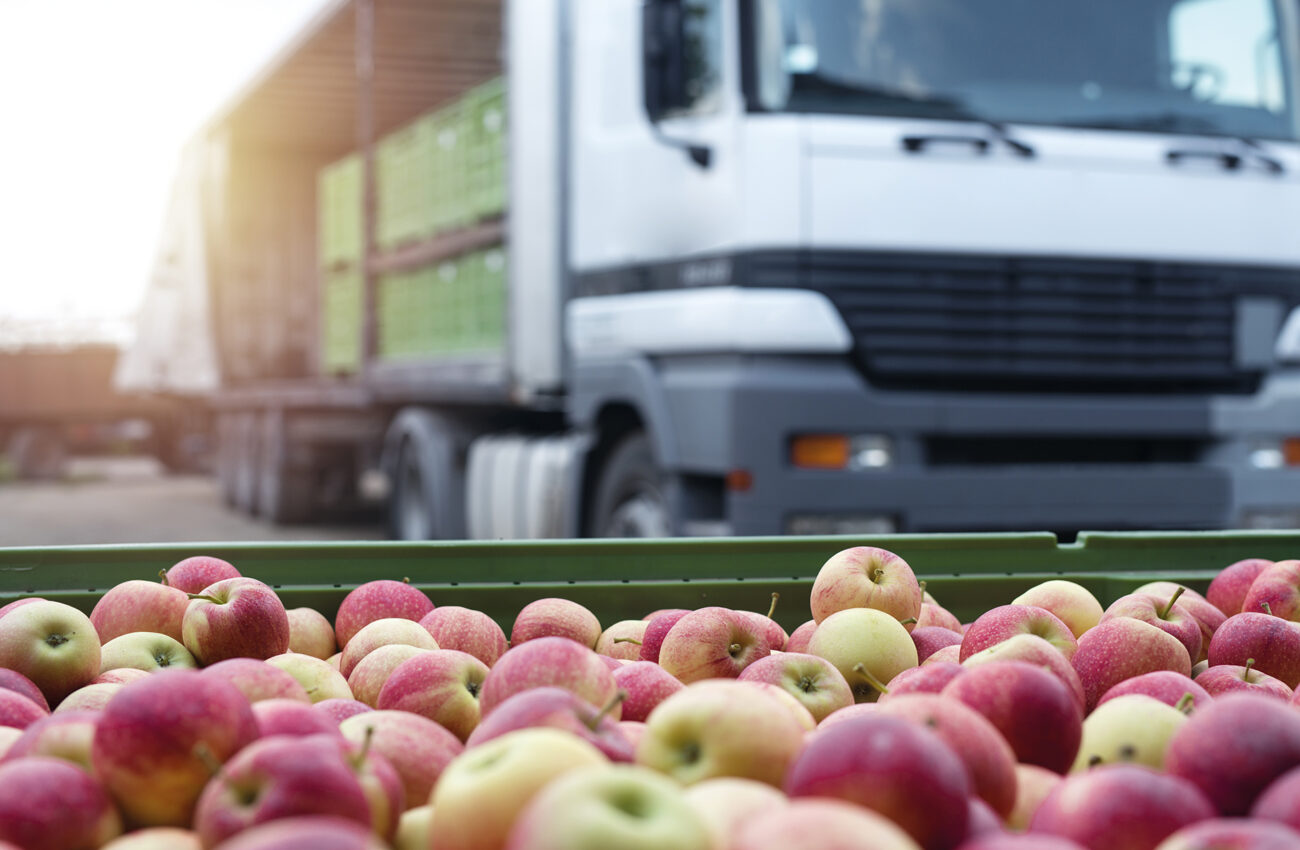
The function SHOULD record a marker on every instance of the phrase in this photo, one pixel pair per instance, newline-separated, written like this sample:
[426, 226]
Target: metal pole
[365, 72]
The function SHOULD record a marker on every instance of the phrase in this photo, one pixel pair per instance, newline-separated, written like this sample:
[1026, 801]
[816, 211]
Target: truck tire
[37, 453]
[246, 456]
[427, 500]
[631, 495]
[284, 489]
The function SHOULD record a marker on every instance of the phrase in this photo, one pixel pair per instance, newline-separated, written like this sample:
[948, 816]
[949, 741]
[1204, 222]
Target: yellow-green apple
[378, 600]
[157, 838]
[944, 655]
[646, 684]
[1007, 621]
[721, 728]
[18, 711]
[235, 618]
[1274, 643]
[1228, 590]
[926, 679]
[1120, 807]
[798, 641]
[812, 680]
[482, 793]
[67, 736]
[1231, 678]
[258, 680]
[712, 643]
[307, 832]
[725, 804]
[1197, 605]
[548, 661]
[657, 628]
[335, 660]
[383, 632]
[1233, 834]
[1122, 648]
[310, 633]
[372, 671]
[50, 804]
[869, 647]
[52, 644]
[557, 708]
[1233, 748]
[606, 806]
[1033, 785]
[148, 651]
[88, 698]
[318, 678]
[929, 639]
[119, 676]
[442, 685]
[800, 712]
[417, 747]
[191, 575]
[291, 717]
[139, 606]
[12, 680]
[866, 577]
[1033, 709]
[1070, 601]
[158, 737]
[8, 736]
[466, 630]
[622, 640]
[555, 617]
[988, 757]
[414, 829]
[814, 824]
[1164, 685]
[1132, 729]
[1033, 650]
[276, 778]
[1164, 614]
[893, 767]
[935, 616]
[339, 710]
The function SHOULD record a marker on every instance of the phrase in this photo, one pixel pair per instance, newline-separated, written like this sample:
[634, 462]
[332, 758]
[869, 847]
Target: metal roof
[425, 52]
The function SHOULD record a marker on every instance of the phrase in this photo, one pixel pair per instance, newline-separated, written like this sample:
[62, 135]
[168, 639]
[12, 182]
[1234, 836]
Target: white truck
[783, 266]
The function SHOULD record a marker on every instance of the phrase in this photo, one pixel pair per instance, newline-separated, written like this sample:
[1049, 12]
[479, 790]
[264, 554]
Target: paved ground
[131, 501]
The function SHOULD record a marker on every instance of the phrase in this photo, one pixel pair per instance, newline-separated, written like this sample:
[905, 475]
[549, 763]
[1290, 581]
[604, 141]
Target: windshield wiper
[1172, 122]
[918, 142]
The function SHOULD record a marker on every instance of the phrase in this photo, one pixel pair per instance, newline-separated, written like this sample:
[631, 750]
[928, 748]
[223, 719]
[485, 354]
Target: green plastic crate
[967, 573]
[339, 212]
[341, 309]
[448, 144]
[402, 183]
[485, 108]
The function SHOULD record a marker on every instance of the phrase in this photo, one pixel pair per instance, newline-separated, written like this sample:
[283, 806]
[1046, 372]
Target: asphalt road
[132, 501]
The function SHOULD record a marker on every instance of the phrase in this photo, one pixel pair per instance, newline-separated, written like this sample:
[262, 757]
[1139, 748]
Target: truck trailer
[552, 268]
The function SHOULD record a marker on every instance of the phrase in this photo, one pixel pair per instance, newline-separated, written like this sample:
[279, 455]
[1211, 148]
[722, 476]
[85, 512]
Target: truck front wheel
[631, 496]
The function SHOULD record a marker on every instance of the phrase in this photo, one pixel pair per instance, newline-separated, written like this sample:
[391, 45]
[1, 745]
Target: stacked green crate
[339, 214]
[341, 308]
[485, 313]
[402, 177]
[449, 146]
[485, 108]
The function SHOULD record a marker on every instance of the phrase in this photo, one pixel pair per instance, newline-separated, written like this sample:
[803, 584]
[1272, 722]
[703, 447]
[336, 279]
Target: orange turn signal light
[820, 451]
[1291, 451]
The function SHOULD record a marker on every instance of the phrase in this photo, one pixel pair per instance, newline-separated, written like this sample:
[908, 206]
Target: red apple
[1277, 587]
[378, 600]
[647, 684]
[50, 804]
[1120, 807]
[798, 641]
[556, 708]
[67, 736]
[417, 748]
[657, 628]
[1165, 614]
[892, 767]
[815, 824]
[156, 778]
[771, 630]
[235, 618]
[89, 698]
[18, 711]
[258, 680]
[442, 685]
[1033, 650]
[1008, 621]
[466, 630]
[712, 643]
[291, 717]
[1233, 834]
[1280, 801]
[1164, 685]
[866, 577]
[634, 731]
[928, 639]
[119, 676]
[934, 616]
[383, 632]
[1274, 643]
[193, 574]
[548, 661]
[1231, 678]
[1122, 648]
[1197, 605]
[308, 832]
[945, 655]
[926, 679]
[12, 680]
[372, 672]
[339, 710]
[554, 617]
[1228, 590]
[310, 633]
[139, 606]
[52, 644]
[1005, 841]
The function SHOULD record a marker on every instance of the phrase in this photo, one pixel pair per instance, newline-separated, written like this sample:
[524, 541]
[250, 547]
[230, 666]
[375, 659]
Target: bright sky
[99, 96]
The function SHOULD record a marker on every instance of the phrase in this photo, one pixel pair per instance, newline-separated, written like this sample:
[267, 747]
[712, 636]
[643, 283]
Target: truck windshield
[1216, 67]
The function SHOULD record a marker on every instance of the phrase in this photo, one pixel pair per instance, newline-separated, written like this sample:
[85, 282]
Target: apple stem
[922, 585]
[406, 579]
[861, 670]
[1245, 673]
[772, 610]
[162, 577]
[734, 648]
[1164, 613]
[627, 640]
[1267, 609]
[203, 753]
[205, 598]
[877, 574]
[909, 621]
[360, 757]
[613, 703]
[1186, 704]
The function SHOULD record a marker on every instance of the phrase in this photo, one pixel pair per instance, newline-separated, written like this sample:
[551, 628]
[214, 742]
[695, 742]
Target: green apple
[867, 646]
[318, 678]
[1133, 728]
[1072, 603]
[728, 802]
[413, 829]
[51, 643]
[812, 680]
[146, 651]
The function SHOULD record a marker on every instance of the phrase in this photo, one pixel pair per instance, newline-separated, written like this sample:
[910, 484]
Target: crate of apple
[198, 711]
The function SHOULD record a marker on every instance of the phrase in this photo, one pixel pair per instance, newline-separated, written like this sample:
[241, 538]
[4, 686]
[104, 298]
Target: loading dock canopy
[425, 53]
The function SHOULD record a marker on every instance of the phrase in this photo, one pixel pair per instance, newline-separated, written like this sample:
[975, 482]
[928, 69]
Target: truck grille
[1028, 324]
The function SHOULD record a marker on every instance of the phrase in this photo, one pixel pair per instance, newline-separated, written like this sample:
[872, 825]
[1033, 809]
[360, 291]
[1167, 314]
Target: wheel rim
[643, 514]
[413, 507]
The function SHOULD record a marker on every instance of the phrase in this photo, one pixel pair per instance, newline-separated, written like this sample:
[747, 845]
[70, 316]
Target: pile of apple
[197, 712]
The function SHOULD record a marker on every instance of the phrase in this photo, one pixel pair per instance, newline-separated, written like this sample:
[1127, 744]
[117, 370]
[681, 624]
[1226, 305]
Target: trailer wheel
[244, 443]
[284, 489]
[630, 499]
[410, 509]
[427, 472]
